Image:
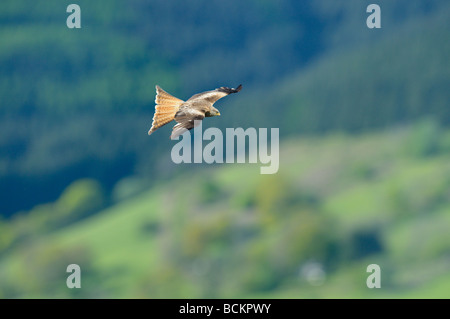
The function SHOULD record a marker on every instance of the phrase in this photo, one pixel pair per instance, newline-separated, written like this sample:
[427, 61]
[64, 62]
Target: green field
[340, 202]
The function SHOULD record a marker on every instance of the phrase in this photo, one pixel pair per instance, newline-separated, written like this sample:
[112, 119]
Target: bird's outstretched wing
[185, 124]
[214, 95]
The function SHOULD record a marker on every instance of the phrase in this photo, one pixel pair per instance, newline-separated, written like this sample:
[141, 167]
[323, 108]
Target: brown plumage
[198, 107]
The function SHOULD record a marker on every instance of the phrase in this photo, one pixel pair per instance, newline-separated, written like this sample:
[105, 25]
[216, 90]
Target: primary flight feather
[199, 106]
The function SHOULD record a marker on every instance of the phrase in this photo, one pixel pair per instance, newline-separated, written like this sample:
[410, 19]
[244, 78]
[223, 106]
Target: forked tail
[165, 109]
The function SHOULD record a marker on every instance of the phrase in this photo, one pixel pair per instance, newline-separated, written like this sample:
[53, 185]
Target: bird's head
[212, 112]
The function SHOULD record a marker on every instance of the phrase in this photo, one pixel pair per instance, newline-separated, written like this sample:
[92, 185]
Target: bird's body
[186, 113]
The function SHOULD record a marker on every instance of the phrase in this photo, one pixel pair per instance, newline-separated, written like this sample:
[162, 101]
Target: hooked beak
[218, 114]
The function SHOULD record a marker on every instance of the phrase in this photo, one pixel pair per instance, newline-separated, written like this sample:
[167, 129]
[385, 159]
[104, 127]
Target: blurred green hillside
[364, 166]
[77, 103]
[338, 204]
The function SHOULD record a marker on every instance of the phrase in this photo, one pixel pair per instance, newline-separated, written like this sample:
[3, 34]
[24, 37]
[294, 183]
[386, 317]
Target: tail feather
[165, 109]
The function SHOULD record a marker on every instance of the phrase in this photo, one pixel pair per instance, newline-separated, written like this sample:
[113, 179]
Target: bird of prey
[188, 114]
